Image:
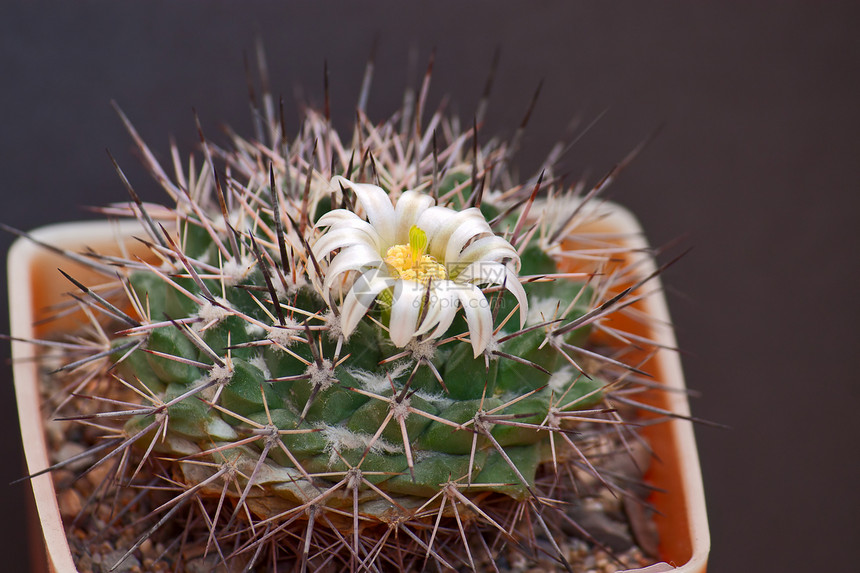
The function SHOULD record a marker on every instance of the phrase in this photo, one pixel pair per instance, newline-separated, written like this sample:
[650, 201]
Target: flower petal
[404, 311]
[473, 226]
[409, 207]
[483, 272]
[360, 297]
[514, 285]
[493, 248]
[377, 206]
[342, 238]
[433, 218]
[446, 302]
[343, 219]
[351, 258]
[434, 306]
[336, 217]
[441, 222]
[478, 316]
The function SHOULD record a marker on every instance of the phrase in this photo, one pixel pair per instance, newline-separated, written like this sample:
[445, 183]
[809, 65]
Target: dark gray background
[759, 162]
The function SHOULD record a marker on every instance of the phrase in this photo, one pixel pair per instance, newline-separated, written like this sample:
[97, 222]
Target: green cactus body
[268, 384]
[332, 351]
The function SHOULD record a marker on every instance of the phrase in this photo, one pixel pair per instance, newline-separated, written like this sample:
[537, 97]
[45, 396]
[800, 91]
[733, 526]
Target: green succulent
[361, 350]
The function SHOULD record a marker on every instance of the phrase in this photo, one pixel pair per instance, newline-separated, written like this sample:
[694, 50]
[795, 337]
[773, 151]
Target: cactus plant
[375, 353]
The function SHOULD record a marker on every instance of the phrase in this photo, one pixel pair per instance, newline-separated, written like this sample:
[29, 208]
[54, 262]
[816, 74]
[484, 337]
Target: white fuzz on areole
[333, 325]
[292, 287]
[254, 330]
[555, 340]
[321, 374]
[221, 374]
[340, 438]
[442, 256]
[284, 335]
[235, 271]
[211, 314]
[400, 409]
[492, 346]
[422, 349]
[218, 376]
[379, 382]
[560, 378]
[441, 400]
[542, 310]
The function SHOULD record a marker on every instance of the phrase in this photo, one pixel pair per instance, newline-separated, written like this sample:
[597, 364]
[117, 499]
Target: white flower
[415, 254]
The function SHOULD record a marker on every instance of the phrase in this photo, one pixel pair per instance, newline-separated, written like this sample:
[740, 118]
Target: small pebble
[69, 450]
[127, 566]
[99, 474]
[70, 504]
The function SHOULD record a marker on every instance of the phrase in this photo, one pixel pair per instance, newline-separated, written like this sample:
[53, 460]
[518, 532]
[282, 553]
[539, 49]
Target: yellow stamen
[411, 261]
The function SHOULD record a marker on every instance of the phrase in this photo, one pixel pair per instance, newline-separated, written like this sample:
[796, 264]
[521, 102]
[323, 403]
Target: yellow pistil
[411, 261]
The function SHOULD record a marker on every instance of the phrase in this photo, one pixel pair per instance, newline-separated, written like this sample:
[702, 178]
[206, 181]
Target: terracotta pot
[35, 284]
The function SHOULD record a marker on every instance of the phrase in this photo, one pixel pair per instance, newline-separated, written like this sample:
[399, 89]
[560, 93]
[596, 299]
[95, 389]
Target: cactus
[371, 354]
